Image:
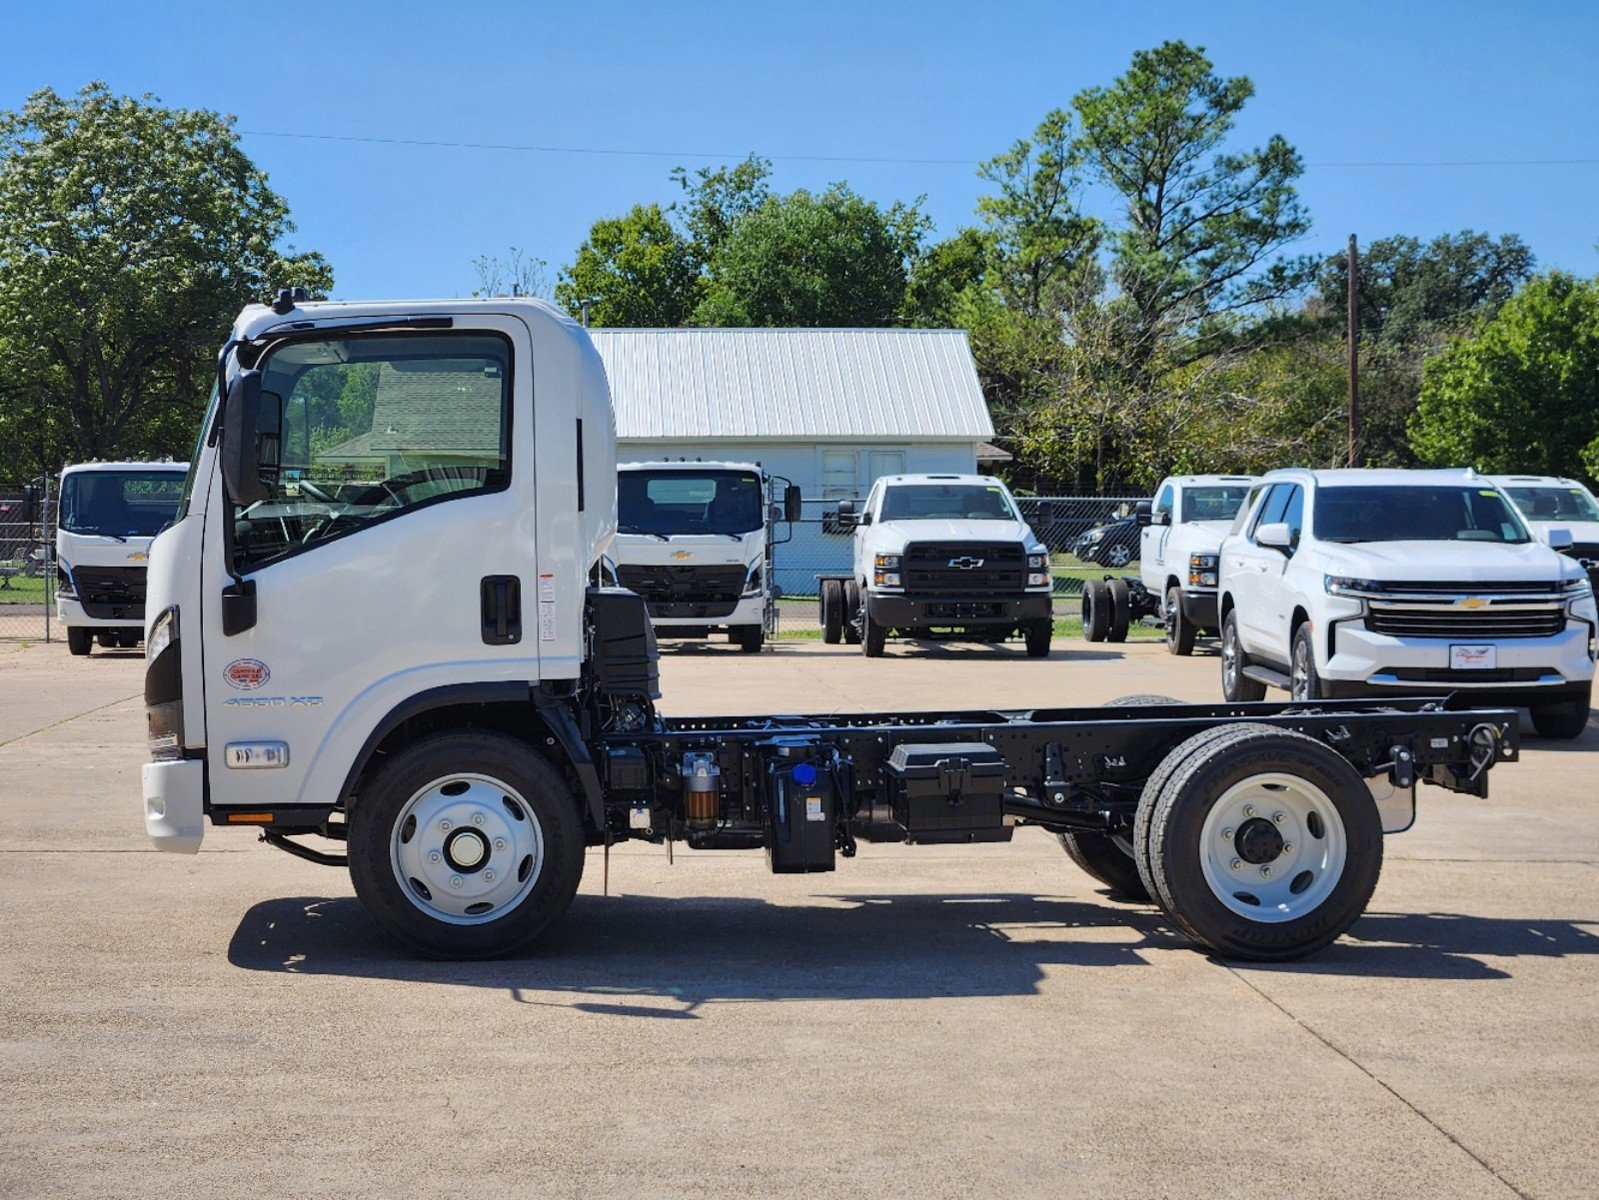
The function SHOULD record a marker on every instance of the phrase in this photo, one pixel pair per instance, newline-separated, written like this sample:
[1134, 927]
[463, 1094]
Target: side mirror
[1277, 536]
[1142, 513]
[241, 440]
[30, 504]
[848, 518]
[1559, 538]
[793, 505]
[1045, 514]
[864, 518]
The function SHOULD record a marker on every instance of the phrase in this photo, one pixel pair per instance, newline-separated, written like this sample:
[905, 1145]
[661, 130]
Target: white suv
[1344, 583]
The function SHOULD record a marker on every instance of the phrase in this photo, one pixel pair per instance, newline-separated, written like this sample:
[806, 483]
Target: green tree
[1522, 395]
[130, 235]
[715, 200]
[1203, 225]
[636, 269]
[806, 259]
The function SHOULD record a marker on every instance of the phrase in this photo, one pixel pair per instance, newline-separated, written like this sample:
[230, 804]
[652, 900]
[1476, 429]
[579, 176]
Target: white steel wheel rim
[466, 849]
[1278, 875]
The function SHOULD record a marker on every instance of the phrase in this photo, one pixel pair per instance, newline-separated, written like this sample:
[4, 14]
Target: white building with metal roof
[829, 409]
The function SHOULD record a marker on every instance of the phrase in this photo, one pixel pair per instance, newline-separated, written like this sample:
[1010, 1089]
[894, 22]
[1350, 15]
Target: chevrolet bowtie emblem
[1474, 602]
[681, 554]
[966, 563]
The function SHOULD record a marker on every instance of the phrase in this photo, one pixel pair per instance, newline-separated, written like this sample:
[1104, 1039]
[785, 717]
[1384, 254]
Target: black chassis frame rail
[1084, 767]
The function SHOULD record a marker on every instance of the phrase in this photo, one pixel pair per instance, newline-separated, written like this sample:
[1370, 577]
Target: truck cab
[1183, 529]
[1549, 503]
[109, 514]
[695, 539]
[940, 556]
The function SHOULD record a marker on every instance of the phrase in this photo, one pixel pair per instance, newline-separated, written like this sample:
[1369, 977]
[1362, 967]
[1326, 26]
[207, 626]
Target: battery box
[949, 792]
[801, 812]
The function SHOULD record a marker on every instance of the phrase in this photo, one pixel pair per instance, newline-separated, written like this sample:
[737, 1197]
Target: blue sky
[1352, 83]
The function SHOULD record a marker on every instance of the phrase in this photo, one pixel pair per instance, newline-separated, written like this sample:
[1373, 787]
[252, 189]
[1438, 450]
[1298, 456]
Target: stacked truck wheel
[832, 604]
[1121, 610]
[1096, 610]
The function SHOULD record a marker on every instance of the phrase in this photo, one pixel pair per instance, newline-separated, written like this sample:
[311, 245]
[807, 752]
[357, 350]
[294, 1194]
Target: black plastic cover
[625, 660]
[950, 792]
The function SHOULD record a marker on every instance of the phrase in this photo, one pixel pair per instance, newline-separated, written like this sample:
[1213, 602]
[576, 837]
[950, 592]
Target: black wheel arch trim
[562, 726]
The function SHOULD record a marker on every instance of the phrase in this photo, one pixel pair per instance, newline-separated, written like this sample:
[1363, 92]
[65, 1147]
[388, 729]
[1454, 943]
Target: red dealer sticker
[246, 674]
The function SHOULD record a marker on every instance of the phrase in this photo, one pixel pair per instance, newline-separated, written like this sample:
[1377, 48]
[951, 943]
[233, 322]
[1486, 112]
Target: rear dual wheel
[1107, 610]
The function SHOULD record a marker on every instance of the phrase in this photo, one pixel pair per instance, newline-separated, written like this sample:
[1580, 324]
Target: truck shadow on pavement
[632, 954]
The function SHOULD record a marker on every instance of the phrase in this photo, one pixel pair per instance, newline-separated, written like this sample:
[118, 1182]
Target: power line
[852, 158]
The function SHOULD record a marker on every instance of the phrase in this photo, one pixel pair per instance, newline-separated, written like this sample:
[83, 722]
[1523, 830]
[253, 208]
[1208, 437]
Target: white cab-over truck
[939, 556]
[378, 636]
[108, 514]
[1372, 582]
[1183, 527]
[695, 539]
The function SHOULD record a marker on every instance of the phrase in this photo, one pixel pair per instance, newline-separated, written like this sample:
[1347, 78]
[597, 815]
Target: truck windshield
[1416, 513]
[1554, 503]
[947, 501]
[120, 503]
[668, 502]
[1213, 503]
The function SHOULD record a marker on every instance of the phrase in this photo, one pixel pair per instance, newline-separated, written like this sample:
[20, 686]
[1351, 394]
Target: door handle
[501, 598]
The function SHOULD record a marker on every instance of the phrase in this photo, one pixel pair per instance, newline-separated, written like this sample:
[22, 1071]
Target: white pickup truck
[940, 556]
[1547, 503]
[109, 513]
[695, 540]
[1348, 583]
[1190, 516]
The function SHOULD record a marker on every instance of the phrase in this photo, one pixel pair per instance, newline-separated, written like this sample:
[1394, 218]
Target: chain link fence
[1088, 537]
[27, 561]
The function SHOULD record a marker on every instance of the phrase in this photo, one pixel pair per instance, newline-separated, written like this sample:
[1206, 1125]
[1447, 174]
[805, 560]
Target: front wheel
[1119, 555]
[750, 638]
[1180, 631]
[1304, 683]
[874, 637]
[80, 640]
[1235, 685]
[1039, 634]
[466, 845]
[1561, 722]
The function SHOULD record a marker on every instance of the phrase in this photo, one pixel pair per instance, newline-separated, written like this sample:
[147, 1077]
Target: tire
[1264, 844]
[128, 641]
[750, 638]
[832, 604]
[1118, 555]
[1306, 684]
[1106, 857]
[1039, 634]
[1096, 610]
[852, 612]
[1237, 687]
[80, 640]
[1561, 722]
[1180, 631]
[1121, 610]
[528, 815]
[874, 637]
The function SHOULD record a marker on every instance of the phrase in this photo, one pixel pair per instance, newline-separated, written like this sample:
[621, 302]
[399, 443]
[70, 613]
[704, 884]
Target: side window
[841, 472]
[371, 427]
[1246, 509]
[1271, 509]
[1164, 503]
[1294, 514]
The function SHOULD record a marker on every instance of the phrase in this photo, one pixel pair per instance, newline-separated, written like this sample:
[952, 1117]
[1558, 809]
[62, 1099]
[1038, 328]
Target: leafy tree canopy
[636, 269]
[130, 236]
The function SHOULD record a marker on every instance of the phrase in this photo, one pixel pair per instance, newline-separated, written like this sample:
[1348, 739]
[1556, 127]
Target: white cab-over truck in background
[695, 539]
[107, 516]
[939, 556]
[378, 634]
[1358, 583]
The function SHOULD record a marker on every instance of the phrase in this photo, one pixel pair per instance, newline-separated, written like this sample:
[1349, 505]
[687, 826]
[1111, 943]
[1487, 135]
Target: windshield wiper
[98, 533]
[645, 532]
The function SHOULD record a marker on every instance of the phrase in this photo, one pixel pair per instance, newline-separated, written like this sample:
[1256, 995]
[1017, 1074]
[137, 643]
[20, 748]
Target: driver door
[392, 501]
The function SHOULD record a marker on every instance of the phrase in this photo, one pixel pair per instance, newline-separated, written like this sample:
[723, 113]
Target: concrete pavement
[925, 1022]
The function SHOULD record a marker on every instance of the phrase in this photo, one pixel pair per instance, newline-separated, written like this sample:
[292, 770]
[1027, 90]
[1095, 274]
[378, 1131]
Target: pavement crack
[68, 720]
[1378, 1080]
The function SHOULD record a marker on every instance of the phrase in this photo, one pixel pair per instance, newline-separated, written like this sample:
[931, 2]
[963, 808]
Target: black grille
[1489, 675]
[706, 584]
[970, 568]
[111, 593]
[1473, 587]
[1467, 624]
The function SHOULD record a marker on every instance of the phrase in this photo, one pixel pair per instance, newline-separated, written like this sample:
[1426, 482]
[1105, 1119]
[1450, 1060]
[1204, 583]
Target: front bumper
[910, 612]
[1526, 670]
[1200, 609]
[174, 804]
[71, 611]
[751, 610]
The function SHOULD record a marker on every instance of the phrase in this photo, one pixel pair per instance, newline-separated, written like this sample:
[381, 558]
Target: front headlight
[1037, 562]
[163, 687]
[887, 578]
[1201, 562]
[64, 584]
[1093, 535]
[1038, 579]
[1202, 570]
[887, 562]
[1344, 585]
[1576, 589]
[752, 585]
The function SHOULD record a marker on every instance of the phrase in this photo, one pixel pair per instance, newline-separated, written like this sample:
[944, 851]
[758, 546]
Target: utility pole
[1354, 352]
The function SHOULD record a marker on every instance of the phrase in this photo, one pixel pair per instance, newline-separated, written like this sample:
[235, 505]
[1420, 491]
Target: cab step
[1268, 676]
